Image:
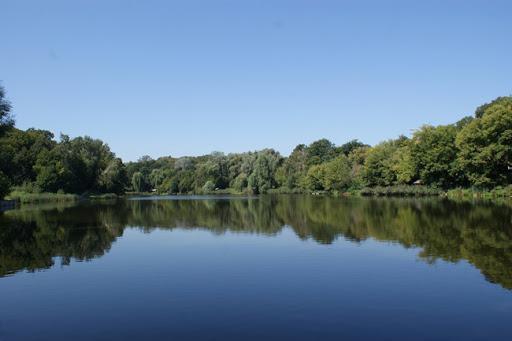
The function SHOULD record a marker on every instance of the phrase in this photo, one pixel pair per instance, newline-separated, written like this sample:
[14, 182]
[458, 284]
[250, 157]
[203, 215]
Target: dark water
[267, 268]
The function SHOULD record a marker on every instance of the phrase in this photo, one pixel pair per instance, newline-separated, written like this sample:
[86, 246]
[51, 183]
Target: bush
[208, 187]
[31, 198]
[497, 192]
[400, 191]
[4, 185]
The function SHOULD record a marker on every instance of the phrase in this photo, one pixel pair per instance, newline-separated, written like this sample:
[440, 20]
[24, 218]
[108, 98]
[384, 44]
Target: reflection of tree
[31, 239]
[453, 231]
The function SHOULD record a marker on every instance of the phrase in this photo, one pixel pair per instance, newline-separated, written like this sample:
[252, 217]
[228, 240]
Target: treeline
[475, 152]
[34, 162]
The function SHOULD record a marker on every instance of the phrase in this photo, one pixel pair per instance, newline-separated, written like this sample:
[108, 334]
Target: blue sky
[190, 77]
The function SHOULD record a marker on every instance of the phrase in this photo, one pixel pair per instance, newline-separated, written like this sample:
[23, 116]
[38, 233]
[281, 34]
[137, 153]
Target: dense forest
[475, 152]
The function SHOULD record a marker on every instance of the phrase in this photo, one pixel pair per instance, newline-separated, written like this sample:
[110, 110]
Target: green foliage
[113, 178]
[156, 177]
[4, 185]
[357, 159]
[337, 174]
[434, 156]
[319, 152]
[209, 187]
[474, 152]
[403, 165]
[77, 166]
[474, 193]
[19, 151]
[485, 145]
[350, 146]
[400, 191]
[379, 167]
[262, 178]
[240, 183]
[138, 182]
[480, 111]
[315, 178]
[294, 168]
[35, 198]
[6, 119]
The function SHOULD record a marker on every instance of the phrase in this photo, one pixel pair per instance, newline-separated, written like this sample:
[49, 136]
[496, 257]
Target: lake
[257, 268]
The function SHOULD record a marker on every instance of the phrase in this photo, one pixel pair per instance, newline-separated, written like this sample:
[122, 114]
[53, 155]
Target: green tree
[357, 159]
[262, 177]
[350, 146]
[6, 119]
[319, 152]
[480, 111]
[294, 168]
[240, 183]
[379, 167]
[73, 165]
[4, 185]
[19, 151]
[434, 155]
[337, 174]
[138, 182]
[485, 145]
[208, 187]
[113, 179]
[403, 165]
[314, 180]
[156, 177]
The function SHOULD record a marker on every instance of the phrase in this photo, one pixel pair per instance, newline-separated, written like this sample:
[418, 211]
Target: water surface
[270, 267]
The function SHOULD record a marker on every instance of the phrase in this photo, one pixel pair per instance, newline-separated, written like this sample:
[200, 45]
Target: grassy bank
[422, 191]
[400, 191]
[31, 198]
[379, 191]
[498, 192]
[36, 198]
[106, 196]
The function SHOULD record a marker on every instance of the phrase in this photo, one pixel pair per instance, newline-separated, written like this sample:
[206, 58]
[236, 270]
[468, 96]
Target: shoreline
[21, 198]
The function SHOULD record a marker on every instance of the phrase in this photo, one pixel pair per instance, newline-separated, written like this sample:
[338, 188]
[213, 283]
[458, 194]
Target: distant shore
[17, 198]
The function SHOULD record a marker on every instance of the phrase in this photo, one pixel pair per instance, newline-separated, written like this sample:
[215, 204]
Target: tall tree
[379, 167]
[337, 174]
[19, 151]
[485, 145]
[319, 152]
[6, 119]
[74, 165]
[6, 122]
[434, 155]
[262, 177]
[113, 178]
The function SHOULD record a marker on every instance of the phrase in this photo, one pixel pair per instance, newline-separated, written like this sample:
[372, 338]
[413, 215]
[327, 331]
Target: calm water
[266, 268]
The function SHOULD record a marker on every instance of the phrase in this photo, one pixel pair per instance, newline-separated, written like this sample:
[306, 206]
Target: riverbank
[18, 197]
[498, 192]
[378, 191]
[31, 198]
[424, 191]
[36, 198]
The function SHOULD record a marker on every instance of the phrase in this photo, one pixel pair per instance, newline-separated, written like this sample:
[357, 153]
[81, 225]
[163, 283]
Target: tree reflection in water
[480, 233]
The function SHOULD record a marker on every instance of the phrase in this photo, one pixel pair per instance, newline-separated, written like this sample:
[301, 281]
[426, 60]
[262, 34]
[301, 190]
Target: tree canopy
[473, 152]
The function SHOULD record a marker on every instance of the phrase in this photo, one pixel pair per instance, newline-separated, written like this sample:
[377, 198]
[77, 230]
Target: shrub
[400, 191]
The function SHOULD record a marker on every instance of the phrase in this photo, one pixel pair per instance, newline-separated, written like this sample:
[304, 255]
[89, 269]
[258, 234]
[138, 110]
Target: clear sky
[190, 77]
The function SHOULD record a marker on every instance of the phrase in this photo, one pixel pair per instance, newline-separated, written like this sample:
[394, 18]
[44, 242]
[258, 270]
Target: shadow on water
[481, 233]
